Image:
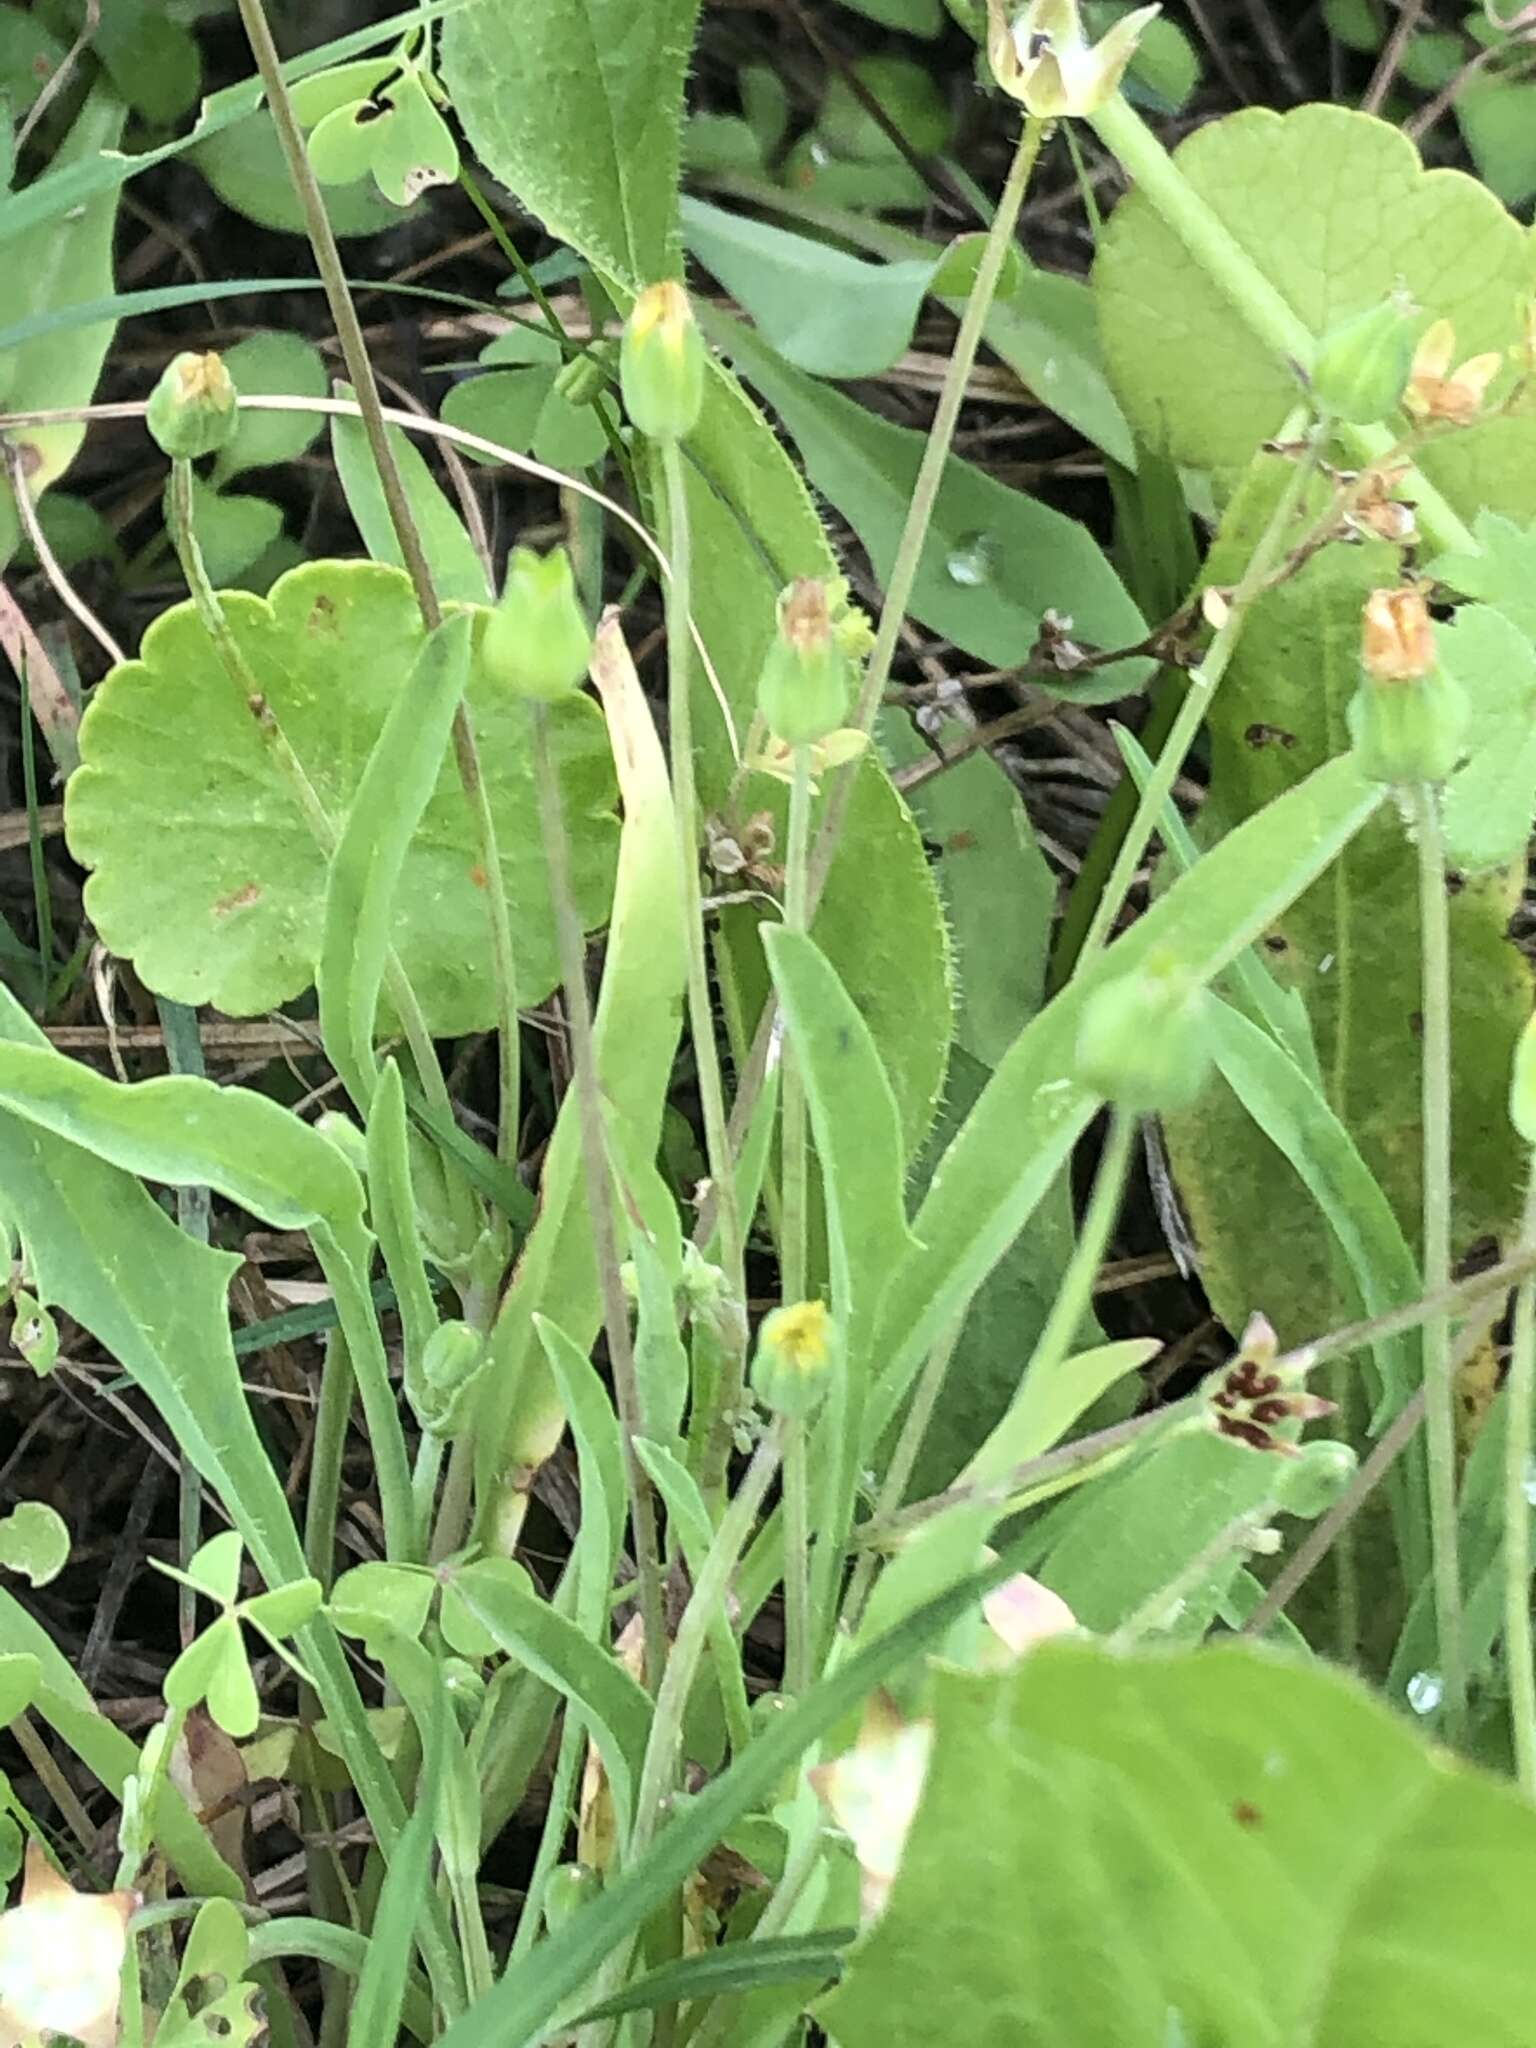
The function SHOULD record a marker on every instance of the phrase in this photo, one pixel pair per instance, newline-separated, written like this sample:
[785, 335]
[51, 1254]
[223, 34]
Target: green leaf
[1489, 802]
[210, 2000]
[20, 1677]
[913, 17]
[246, 168]
[34, 1540]
[152, 61]
[413, 146]
[270, 364]
[727, 1971]
[214, 1568]
[1289, 188]
[1350, 949]
[461, 1629]
[636, 1029]
[374, 1596]
[1498, 119]
[995, 560]
[1502, 573]
[52, 266]
[577, 106]
[830, 313]
[393, 791]
[754, 530]
[229, 908]
[525, 1626]
[283, 1610]
[233, 532]
[1021, 1131]
[382, 1983]
[1221, 1847]
[858, 1133]
[457, 570]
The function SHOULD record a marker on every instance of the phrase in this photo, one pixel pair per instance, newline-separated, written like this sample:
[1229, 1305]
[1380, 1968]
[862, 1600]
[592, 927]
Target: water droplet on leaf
[1426, 1690]
[972, 560]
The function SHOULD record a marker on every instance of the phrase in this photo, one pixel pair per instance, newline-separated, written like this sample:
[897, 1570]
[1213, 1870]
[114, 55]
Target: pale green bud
[803, 691]
[537, 643]
[1041, 57]
[661, 364]
[1142, 1042]
[1364, 363]
[1408, 720]
[799, 1348]
[193, 410]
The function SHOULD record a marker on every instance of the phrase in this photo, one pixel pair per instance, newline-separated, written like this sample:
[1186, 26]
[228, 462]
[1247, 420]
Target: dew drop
[1426, 1690]
[972, 560]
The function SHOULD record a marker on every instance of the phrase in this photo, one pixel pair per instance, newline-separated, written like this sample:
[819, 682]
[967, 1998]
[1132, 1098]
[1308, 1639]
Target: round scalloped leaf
[1336, 209]
[204, 872]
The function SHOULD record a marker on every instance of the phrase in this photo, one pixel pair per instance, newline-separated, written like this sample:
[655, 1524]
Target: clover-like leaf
[215, 1567]
[284, 1610]
[34, 1540]
[374, 1596]
[205, 871]
[1337, 211]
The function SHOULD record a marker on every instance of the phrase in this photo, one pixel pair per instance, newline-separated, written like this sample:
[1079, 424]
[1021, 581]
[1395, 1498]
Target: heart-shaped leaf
[34, 1540]
[206, 873]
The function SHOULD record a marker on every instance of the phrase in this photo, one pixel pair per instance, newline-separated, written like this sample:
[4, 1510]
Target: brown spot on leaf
[239, 899]
[960, 842]
[477, 875]
[1246, 1814]
[322, 615]
[1259, 735]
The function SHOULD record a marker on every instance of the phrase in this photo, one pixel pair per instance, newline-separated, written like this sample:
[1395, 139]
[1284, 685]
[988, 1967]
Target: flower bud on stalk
[194, 408]
[661, 364]
[537, 643]
[1408, 719]
[803, 693]
[1042, 58]
[1363, 364]
[799, 1348]
[1142, 1040]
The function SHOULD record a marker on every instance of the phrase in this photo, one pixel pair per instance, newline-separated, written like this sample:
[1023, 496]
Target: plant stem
[1519, 1395]
[326, 1454]
[797, 1560]
[930, 477]
[701, 1017]
[796, 1160]
[1156, 1610]
[1211, 243]
[354, 350]
[594, 1152]
[1202, 686]
[898, 1472]
[1439, 1386]
[1001, 1450]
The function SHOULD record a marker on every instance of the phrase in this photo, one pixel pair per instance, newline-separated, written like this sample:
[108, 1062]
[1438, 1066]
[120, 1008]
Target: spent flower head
[1436, 391]
[1258, 1402]
[1042, 58]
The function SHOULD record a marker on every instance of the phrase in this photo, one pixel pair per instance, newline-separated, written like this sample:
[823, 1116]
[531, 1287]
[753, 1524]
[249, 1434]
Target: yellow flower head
[1436, 392]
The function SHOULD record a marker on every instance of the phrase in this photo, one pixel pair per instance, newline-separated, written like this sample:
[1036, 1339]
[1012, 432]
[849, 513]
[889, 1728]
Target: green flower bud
[451, 1363]
[661, 364]
[1364, 363]
[1522, 1086]
[1142, 1040]
[1317, 1478]
[193, 409]
[536, 642]
[1408, 720]
[803, 691]
[568, 1888]
[799, 1347]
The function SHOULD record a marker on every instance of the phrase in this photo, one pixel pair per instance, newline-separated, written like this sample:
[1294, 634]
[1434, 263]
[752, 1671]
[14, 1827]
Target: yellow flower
[1043, 58]
[1436, 392]
[61, 1956]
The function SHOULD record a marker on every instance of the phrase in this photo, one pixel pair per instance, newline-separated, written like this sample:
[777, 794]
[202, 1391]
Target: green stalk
[898, 1473]
[797, 1560]
[1439, 1385]
[41, 898]
[354, 349]
[792, 1257]
[594, 1152]
[1269, 318]
[1074, 1296]
[1202, 687]
[1520, 1397]
[930, 475]
[701, 1017]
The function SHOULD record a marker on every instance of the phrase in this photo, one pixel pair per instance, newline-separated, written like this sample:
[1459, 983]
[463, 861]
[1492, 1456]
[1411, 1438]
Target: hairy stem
[1439, 1385]
[1520, 1393]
